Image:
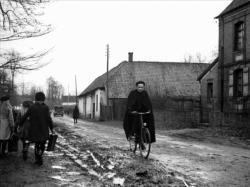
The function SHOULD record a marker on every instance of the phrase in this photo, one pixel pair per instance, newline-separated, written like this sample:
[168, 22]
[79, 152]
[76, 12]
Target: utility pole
[107, 75]
[68, 93]
[76, 89]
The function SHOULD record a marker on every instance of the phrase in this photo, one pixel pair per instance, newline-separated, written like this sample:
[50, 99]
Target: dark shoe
[39, 162]
[3, 156]
[142, 147]
[25, 155]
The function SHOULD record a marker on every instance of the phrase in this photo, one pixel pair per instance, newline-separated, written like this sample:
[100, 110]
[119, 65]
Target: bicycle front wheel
[145, 143]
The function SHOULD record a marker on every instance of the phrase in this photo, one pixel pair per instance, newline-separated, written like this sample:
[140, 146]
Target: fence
[169, 112]
[176, 112]
[106, 113]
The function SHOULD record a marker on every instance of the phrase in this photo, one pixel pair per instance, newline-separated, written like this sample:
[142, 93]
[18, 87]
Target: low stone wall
[169, 112]
[239, 122]
[176, 119]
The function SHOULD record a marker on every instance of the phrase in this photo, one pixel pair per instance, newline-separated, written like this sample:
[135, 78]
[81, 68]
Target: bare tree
[198, 58]
[14, 60]
[34, 89]
[5, 83]
[17, 63]
[19, 19]
[22, 88]
[54, 91]
[188, 58]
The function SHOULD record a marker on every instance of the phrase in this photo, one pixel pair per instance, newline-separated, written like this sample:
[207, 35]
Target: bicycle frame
[142, 131]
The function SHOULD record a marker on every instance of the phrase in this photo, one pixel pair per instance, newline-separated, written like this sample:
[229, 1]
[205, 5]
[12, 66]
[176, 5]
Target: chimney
[130, 57]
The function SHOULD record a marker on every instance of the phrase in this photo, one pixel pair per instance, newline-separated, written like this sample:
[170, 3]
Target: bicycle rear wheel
[145, 144]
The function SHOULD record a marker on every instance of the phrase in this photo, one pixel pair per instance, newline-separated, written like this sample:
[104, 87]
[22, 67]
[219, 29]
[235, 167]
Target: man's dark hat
[5, 98]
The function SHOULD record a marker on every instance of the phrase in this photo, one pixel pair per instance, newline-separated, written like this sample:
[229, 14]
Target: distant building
[162, 79]
[68, 99]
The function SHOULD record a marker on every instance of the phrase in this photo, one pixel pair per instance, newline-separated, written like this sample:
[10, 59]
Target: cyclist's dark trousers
[136, 128]
[4, 146]
[39, 149]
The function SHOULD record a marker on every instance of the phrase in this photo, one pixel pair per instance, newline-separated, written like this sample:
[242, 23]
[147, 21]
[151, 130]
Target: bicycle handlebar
[141, 113]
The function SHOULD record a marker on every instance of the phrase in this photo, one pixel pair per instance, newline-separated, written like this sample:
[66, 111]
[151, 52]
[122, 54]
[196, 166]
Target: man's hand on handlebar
[135, 112]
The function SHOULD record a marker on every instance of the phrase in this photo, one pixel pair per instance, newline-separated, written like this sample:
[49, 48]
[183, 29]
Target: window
[209, 92]
[238, 36]
[238, 83]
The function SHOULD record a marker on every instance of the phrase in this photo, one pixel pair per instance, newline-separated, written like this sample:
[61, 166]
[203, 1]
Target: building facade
[232, 95]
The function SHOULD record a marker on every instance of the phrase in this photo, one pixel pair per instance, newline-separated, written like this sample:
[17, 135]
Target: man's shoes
[39, 161]
[25, 155]
[142, 146]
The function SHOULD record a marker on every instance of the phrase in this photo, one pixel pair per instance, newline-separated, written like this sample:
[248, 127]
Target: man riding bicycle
[138, 101]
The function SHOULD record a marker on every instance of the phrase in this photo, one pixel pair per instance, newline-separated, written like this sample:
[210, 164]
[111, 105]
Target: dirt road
[209, 159]
[96, 154]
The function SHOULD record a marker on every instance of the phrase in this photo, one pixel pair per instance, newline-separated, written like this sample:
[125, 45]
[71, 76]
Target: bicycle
[145, 140]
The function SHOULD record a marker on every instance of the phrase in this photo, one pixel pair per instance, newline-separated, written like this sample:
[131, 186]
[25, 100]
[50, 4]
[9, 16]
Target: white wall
[88, 105]
[81, 105]
[103, 98]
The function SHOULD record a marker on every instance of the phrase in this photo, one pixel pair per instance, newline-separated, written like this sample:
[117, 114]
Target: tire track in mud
[87, 158]
[116, 166]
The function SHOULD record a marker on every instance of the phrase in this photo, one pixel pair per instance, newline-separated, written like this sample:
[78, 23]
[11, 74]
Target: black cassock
[140, 102]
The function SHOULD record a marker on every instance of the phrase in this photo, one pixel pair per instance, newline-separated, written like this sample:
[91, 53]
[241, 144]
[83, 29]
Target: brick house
[163, 79]
[231, 72]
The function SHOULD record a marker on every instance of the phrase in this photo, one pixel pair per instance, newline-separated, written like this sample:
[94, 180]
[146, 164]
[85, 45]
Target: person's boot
[4, 145]
[39, 160]
[142, 146]
[25, 155]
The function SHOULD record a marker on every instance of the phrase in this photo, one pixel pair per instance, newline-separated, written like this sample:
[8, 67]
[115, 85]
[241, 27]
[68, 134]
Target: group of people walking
[32, 125]
[34, 122]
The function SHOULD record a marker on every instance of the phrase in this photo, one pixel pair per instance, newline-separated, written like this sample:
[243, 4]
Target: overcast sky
[152, 30]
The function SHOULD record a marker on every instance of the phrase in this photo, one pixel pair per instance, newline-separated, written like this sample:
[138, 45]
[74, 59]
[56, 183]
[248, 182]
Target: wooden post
[107, 83]
[76, 89]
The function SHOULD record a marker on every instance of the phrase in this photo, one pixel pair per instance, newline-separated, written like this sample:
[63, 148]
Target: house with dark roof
[172, 79]
[230, 97]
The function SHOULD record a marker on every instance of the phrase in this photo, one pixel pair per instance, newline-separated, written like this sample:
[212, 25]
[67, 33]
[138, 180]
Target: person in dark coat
[138, 101]
[23, 131]
[75, 114]
[40, 123]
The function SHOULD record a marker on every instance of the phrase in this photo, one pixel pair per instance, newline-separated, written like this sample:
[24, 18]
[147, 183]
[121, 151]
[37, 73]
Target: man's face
[140, 87]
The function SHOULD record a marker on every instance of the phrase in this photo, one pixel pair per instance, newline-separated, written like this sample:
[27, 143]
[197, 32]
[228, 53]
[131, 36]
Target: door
[93, 111]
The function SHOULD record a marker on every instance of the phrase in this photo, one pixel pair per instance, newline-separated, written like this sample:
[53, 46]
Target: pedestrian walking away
[23, 130]
[75, 114]
[40, 124]
[6, 123]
